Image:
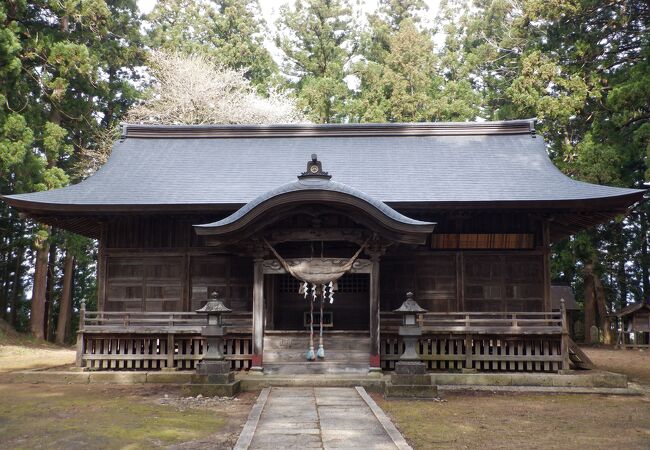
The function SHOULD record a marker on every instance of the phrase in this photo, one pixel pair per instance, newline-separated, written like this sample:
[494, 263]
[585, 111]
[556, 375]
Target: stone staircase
[345, 353]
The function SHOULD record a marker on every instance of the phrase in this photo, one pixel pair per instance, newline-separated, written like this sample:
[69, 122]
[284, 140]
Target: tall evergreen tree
[581, 68]
[318, 40]
[69, 69]
[401, 86]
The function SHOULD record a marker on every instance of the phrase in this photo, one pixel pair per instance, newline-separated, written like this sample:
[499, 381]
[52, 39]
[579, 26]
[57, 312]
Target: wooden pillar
[102, 262]
[564, 344]
[80, 335]
[546, 242]
[258, 314]
[460, 282]
[186, 294]
[375, 357]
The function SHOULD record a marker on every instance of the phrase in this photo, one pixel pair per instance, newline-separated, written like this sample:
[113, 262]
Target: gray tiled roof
[401, 168]
[319, 184]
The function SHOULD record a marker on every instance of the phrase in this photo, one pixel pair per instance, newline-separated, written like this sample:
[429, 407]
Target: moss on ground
[47, 416]
[511, 421]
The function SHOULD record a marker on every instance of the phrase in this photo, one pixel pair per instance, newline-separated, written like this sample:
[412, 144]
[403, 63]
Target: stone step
[300, 356]
[330, 342]
[315, 367]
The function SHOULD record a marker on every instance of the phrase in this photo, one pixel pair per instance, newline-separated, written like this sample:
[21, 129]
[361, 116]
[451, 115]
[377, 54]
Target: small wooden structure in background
[635, 320]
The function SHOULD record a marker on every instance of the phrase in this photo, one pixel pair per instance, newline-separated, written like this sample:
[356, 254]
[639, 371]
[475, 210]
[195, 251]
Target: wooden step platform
[345, 353]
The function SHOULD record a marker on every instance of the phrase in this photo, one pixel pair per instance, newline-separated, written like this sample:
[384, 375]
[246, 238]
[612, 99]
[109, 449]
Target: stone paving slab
[318, 418]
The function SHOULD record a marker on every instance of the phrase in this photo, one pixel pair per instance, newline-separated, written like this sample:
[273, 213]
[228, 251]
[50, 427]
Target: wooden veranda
[508, 341]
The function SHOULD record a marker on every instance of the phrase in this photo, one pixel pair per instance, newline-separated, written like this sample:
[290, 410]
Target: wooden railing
[483, 341]
[481, 322]
[147, 322]
[109, 340]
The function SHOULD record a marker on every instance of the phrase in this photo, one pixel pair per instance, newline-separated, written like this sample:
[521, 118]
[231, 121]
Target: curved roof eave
[320, 191]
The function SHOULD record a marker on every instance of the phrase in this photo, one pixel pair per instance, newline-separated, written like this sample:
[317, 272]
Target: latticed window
[347, 284]
[288, 284]
[353, 283]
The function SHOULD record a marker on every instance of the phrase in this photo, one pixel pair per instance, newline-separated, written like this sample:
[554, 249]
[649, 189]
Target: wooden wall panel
[468, 281]
[154, 231]
[231, 276]
[504, 282]
[144, 284]
[431, 277]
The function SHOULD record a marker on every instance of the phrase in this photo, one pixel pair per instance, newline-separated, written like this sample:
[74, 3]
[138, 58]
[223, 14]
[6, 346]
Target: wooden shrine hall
[460, 214]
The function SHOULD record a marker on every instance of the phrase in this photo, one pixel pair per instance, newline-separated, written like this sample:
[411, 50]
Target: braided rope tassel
[321, 350]
[330, 292]
[310, 353]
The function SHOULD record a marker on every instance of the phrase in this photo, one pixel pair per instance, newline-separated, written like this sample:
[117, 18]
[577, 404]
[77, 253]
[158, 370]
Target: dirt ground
[107, 417]
[633, 363]
[551, 421]
[19, 357]
[20, 352]
[103, 416]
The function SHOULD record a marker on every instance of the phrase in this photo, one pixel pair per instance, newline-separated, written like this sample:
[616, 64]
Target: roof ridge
[524, 126]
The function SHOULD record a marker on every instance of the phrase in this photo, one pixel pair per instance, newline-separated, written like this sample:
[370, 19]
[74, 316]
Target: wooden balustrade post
[170, 351]
[469, 354]
[79, 361]
[564, 345]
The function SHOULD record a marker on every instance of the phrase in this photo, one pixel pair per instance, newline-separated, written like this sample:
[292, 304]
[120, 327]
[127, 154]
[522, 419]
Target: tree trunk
[621, 274]
[37, 317]
[590, 310]
[4, 284]
[49, 294]
[645, 270]
[65, 307]
[17, 287]
[603, 319]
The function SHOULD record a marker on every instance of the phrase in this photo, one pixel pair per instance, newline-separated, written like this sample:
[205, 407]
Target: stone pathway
[318, 418]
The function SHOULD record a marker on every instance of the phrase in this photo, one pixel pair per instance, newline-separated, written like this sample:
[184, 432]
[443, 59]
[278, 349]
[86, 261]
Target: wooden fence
[155, 341]
[488, 341]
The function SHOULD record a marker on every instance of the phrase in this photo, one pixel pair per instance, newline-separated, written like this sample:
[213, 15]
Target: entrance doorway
[289, 310]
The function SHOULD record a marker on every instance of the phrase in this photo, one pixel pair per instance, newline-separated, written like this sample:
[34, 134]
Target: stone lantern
[410, 380]
[213, 362]
[410, 331]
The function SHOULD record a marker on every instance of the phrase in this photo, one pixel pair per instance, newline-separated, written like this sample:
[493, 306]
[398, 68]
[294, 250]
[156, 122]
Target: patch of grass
[509, 421]
[47, 416]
